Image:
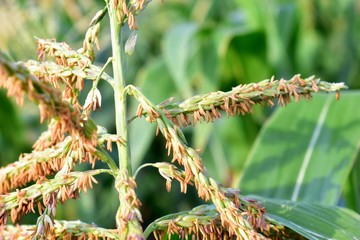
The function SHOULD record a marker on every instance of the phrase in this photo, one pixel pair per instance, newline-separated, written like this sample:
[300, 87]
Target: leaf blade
[310, 150]
[280, 149]
[313, 221]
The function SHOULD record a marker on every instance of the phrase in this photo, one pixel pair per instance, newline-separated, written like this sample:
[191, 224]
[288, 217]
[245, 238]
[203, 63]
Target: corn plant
[40, 180]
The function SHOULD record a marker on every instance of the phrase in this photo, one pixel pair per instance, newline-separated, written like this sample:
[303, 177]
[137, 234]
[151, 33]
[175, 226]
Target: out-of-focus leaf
[305, 151]
[223, 35]
[11, 131]
[141, 133]
[22, 20]
[251, 13]
[314, 221]
[176, 50]
[156, 85]
[229, 144]
[306, 51]
[352, 188]
[286, 28]
[250, 52]
[277, 54]
[209, 75]
[90, 206]
[268, 18]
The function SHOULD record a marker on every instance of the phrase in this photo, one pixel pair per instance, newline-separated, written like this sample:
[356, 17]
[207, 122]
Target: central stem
[119, 94]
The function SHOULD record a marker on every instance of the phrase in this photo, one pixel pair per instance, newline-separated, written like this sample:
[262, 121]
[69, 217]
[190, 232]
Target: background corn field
[306, 152]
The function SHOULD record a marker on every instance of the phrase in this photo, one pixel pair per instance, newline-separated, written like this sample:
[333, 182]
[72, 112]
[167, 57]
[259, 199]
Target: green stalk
[119, 85]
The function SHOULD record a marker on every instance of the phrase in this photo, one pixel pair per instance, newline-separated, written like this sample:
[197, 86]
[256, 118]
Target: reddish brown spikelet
[241, 99]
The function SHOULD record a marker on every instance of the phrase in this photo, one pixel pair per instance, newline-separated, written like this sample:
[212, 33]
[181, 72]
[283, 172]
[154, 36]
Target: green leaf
[224, 34]
[11, 131]
[229, 143]
[268, 17]
[176, 50]
[209, 68]
[314, 221]
[352, 188]
[249, 55]
[250, 10]
[277, 53]
[305, 151]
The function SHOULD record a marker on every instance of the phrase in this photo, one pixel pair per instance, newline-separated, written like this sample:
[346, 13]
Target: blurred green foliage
[187, 47]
